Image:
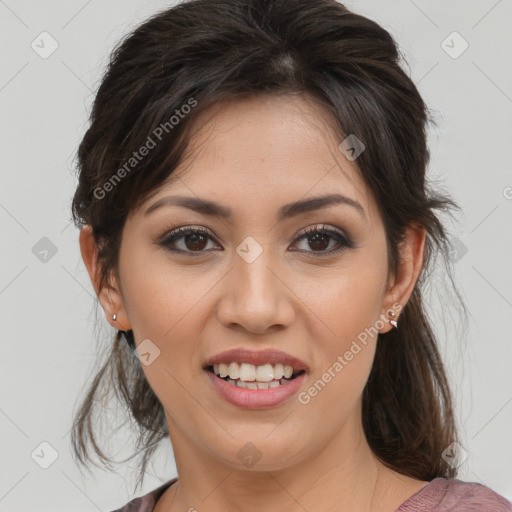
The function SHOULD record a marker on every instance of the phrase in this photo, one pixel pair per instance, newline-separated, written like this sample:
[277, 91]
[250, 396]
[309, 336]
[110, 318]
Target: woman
[258, 228]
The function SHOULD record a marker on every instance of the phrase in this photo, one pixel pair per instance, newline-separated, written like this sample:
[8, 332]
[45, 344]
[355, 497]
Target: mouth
[256, 379]
[250, 376]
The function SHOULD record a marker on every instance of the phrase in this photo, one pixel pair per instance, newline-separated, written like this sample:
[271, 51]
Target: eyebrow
[206, 207]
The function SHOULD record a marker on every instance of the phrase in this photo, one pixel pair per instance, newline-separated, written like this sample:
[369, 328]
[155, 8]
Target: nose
[256, 297]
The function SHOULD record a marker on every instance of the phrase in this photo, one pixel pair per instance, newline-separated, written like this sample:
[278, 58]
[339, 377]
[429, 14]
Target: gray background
[46, 299]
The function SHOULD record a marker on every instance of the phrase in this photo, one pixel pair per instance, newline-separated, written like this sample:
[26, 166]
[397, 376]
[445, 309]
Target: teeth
[223, 370]
[279, 371]
[264, 373]
[256, 385]
[234, 371]
[249, 373]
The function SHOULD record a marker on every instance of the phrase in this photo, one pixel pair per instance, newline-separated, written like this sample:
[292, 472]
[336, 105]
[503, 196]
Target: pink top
[439, 495]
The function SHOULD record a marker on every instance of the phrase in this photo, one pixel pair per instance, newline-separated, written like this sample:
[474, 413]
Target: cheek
[334, 394]
[345, 302]
[160, 298]
[344, 353]
[346, 311]
[170, 308]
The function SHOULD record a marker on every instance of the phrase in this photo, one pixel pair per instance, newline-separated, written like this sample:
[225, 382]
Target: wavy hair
[215, 50]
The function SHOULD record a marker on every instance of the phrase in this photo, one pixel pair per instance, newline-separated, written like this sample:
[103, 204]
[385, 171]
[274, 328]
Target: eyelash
[175, 234]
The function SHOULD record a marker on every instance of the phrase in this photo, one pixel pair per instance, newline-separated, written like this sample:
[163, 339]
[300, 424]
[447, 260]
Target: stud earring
[393, 322]
[114, 317]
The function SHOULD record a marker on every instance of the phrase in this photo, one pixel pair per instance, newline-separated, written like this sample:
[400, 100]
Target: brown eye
[320, 239]
[195, 241]
[187, 240]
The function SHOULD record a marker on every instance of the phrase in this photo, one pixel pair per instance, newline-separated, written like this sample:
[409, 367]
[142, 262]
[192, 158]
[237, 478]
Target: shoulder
[456, 495]
[147, 502]
[473, 496]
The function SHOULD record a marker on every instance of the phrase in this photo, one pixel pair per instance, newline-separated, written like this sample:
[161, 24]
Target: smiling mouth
[248, 376]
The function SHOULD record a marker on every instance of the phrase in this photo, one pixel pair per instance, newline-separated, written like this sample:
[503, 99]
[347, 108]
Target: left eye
[320, 238]
[195, 239]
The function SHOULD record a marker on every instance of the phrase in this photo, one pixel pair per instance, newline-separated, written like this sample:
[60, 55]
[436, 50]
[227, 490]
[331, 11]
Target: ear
[109, 296]
[411, 259]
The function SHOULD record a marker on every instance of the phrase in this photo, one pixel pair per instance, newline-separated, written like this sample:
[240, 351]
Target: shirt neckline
[424, 493]
[419, 497]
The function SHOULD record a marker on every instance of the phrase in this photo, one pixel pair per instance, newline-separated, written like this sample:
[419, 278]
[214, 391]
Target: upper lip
[257, 358]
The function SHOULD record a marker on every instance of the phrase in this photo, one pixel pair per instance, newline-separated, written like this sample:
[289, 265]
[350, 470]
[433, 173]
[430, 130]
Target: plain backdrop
[459, 55]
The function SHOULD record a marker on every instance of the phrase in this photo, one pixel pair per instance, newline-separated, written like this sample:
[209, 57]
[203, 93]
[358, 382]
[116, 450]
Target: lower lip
[255, 398]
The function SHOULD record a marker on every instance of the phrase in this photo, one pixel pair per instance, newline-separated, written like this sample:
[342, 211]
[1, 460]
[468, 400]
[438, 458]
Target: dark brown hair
[201, 52]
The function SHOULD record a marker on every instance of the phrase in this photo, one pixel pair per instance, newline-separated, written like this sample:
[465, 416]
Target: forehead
[267, 149]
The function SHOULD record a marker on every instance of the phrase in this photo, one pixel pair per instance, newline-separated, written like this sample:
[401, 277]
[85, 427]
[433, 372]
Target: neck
[341, 475]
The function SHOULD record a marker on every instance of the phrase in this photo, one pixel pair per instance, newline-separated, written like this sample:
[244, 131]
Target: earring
[114, 316]
[393, 322]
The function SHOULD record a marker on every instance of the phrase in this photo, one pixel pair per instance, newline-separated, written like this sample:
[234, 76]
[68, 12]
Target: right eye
[192, 239]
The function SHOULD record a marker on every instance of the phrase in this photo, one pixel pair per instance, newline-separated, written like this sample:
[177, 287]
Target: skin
[253, 156]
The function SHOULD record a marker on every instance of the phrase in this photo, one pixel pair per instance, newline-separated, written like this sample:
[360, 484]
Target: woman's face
[253, 279]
